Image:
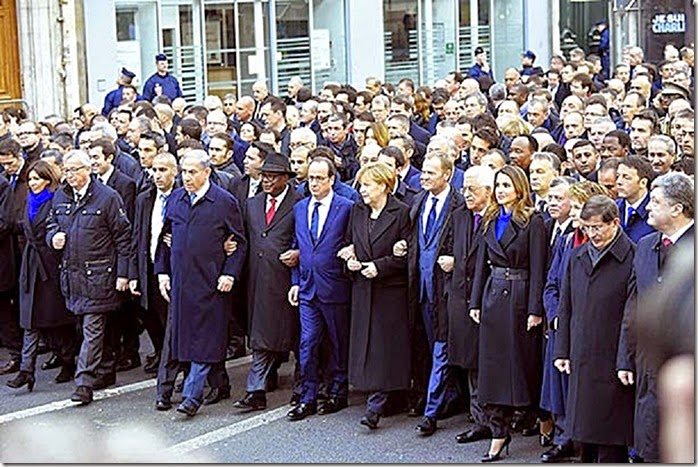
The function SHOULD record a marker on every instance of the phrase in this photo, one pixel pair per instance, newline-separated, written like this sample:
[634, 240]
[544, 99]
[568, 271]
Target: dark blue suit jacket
[419, 134]
[412, 178]
[636, 227]
[320, 272]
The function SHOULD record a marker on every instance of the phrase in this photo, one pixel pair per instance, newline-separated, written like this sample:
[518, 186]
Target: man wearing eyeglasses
[13, 205]
[29, 135]
[89, 225]
[592, 300]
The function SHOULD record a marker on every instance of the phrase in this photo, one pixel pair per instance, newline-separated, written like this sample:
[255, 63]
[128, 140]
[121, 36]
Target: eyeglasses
[25, 133]
[317, 178]
[74, 170]
[592, 229]
[297, 144]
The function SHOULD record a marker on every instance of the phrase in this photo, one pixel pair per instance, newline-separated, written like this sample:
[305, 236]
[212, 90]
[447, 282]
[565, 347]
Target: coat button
[68, 211]
[99, 211]
[260, 254]
[84, 212]
[505, 292]
[264, 235]
[89, 273]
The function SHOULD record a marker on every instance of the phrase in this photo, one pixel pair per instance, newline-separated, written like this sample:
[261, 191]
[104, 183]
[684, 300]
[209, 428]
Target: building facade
[223, 46]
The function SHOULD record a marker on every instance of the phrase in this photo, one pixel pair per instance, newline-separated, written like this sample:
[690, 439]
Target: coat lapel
[331, 214]
[282, 210]
[509, 235]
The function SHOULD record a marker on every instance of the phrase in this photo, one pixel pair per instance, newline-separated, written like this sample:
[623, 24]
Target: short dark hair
[651, 116]
[621, 136]
[107, 146]
[10, 147]
[600, 205]
[556, 149]
[276, 105]
[226, 138]
[331, 169]
[64, 140]
[582, 143]
[641, 166]
[263, 148]
[157, 138]
[394, 153]
[403, 101]
[611, 163]
[487, 135]
[190, 144]
[190, 128]
[532, 142]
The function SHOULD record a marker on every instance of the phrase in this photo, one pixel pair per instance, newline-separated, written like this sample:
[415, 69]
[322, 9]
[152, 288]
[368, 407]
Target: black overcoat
[379, 338]
[140, 258]
[273, 324]
[599, 408]
[41, 304]
[510, 357]
[649, 269]
[463, 332]
[199, 312]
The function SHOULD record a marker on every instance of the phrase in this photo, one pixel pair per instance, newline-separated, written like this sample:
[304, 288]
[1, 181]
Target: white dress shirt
[82, 192]
[441, 197]
[279, 199]
[323, 210]
[105, 177]
[252, 189]
[156, 221]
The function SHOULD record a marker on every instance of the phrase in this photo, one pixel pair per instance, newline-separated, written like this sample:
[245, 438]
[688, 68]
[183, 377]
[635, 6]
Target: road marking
[227, 432]
[99, 395]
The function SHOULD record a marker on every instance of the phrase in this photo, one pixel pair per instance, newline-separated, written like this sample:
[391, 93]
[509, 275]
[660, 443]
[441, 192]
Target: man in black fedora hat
[273, 324]
[115, 96]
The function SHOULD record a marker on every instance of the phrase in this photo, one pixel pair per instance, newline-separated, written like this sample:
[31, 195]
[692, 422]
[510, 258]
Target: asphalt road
[121, 425]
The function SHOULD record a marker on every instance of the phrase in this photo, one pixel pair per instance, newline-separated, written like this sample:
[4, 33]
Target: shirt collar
[203, 190]
[563, 225]
[105, 177]
[84, 189]
[443, 195]
[280, 197]
[637, 203]
[326, 201]
[679, 233]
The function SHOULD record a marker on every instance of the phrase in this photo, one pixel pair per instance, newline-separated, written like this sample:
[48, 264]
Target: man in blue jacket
[161, 82]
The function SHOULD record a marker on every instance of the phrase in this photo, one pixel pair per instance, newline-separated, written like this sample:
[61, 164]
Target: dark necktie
[271, 211]
[431, 218]
[542, 205]
[315, 221]
[78, 197]
[556, 233]
[631, 212]
[476, 222]
[163, 208]
[13, 181]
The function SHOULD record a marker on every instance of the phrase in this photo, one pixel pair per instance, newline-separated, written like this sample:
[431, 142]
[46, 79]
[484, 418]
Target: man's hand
[133, 287]
[533, 321]
[225, 283]
[400, 248]
[353, 265]
[626, 377]
[293, 295]
[58, 240]
[121, 284]
[230, 245]
[164, 283]
[369, 270]
[347, 253]
[475, 315]
[563, 365]
[445, 263]
[167, 240]
[290, 258]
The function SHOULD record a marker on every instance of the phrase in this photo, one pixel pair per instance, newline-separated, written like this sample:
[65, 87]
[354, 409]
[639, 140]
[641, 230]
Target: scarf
[579, 238]
[35, 201]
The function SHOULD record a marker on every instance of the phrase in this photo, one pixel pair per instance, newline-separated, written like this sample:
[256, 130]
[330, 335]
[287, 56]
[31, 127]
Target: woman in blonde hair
[379, 338]
[507, 303]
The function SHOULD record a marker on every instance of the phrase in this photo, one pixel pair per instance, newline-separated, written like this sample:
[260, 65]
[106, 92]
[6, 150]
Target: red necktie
[271, 211]
[666, 242]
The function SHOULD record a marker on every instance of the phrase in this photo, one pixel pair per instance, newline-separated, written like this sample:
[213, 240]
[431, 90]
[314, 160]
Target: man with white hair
[88, 224]
[294, 85]
[260, 92]
[195, 276]
[213, 102]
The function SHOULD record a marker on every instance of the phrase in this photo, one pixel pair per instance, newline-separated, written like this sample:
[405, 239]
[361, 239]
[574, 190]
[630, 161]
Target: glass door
[473, 31]
[253, 33]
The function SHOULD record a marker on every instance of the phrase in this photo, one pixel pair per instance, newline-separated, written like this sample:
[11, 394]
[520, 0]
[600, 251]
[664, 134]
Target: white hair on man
[482, 173]
[80, 155]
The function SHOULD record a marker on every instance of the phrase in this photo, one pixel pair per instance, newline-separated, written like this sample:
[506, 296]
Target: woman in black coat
[507, 303]
[42, 306]
[378, 358]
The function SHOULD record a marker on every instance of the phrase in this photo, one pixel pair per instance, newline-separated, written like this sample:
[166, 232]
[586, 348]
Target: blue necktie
[315, 221]
[163, 208]
[13, 181]
[631, 211]
[192, 198]
[431, 218]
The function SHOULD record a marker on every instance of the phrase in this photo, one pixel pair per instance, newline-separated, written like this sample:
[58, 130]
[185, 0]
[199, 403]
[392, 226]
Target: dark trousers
[477, 410]
[110, 344]
[376, 401]
[10, 332]
[169, 367]
[61, 338]
[127, 330]
[420, 364]
[218, 376]
[499, 418]
[317, 320]
[601, 454]
[91, 349]
[155, 317]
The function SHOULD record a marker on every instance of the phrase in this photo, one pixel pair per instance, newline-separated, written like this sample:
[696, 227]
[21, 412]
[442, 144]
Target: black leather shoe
[126, 364]
[427, 426]
[23, 378]
[188, 407]
[473, 435]
[11, 366]
[82, 394]
[252, 401]
[215, 395]
[295, 400]
[66, 374]
[332, 405]
[54, 362]
[104, 381]
[370, 419]
[162, 404]
[152, 363]
[416, 407]
[301, 411]
[558, 453]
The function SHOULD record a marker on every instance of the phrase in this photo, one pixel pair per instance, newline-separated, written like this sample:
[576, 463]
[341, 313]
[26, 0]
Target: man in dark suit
[634, 177]
[671, 212]
[199, 271]
[463, 332]
[393, 158]
[322, 289]
[122, 338]
[559, 223]
[147, 225]
[430, 261]
[16, 170]
[249, 185]
[272, 322]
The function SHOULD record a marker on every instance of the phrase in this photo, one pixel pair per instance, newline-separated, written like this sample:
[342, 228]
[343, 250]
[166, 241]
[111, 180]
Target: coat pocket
[100, 278]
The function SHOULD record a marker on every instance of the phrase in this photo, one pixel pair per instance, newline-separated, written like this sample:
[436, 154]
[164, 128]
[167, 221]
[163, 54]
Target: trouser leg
[376, 401]
[312, 331]
[10, 332]
[30, 349]
[336, 318]
[169, 367]
[499, 418]
[263, 363]
[436, 391]
[91, 350]
[477, 411]
[194, 384]
[218, 376]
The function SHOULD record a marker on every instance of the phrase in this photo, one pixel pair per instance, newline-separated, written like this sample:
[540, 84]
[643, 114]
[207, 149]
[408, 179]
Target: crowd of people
[470, 246]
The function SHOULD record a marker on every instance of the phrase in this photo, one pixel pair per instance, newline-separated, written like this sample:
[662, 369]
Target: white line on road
[227, 432]
[99, 395]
